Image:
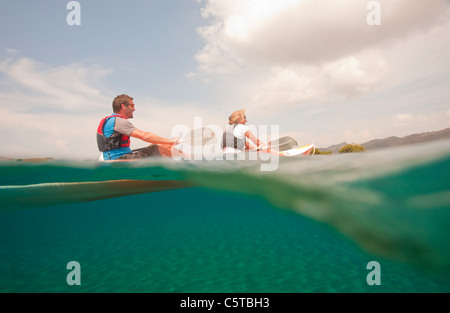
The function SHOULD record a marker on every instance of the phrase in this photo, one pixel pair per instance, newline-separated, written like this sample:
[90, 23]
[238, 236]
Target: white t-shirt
[239, 132]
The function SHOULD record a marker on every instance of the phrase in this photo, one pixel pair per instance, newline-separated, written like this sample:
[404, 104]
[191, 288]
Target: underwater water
[313, 225]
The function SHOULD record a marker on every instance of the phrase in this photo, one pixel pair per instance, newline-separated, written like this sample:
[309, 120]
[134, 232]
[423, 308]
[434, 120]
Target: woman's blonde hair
[236, 116]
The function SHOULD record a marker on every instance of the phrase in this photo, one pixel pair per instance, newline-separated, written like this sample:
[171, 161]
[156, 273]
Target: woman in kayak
[236, 133]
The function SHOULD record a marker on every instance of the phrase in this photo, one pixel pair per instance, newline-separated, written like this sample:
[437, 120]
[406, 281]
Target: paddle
[283, 143]
[192, 143]
[199, 137]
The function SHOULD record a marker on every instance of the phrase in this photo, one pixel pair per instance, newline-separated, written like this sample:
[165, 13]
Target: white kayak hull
[305, 150]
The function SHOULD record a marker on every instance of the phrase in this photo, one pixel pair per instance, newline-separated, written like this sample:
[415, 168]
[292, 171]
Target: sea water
[313, 225]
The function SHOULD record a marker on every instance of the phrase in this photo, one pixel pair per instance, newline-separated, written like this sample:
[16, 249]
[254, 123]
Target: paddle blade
[283, 143]
[200, 137]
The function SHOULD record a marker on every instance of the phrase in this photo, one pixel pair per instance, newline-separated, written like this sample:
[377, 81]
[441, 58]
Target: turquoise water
[311, 226]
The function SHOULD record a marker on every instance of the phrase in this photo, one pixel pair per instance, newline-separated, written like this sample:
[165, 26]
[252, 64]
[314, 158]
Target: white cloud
[403, 119]
[32, 85]
[310, 31]
[50, 111]
[242, 18]
[343, 78]
[427, 121]
[48, 135]
[217, 60]
[282, 54]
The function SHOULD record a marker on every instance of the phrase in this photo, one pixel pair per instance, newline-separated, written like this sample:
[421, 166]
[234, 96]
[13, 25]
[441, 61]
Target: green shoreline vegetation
[350, 148]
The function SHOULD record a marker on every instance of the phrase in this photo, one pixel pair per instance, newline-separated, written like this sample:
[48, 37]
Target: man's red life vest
[115, 141]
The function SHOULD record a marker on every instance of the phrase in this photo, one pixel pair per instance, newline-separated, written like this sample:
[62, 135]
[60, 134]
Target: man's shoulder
[124, 126]
[121, 119]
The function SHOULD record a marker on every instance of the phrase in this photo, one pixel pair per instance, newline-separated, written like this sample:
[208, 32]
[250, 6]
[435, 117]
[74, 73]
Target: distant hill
[334, 148]
[396, 141]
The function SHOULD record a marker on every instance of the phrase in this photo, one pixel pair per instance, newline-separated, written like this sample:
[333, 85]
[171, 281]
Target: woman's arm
[254, 139]
[259, 144]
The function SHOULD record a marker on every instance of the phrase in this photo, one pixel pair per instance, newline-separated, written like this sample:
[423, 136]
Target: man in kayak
[236, 133]
[115, 131]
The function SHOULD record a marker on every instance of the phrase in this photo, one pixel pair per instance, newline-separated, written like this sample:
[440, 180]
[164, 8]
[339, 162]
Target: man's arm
[152, 138]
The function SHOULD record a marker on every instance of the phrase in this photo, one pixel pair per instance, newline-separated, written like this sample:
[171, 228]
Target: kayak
[299, 151]
[305, 150]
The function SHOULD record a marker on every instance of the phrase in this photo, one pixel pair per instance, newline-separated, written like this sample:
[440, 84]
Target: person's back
[233, 140]
[113, 136]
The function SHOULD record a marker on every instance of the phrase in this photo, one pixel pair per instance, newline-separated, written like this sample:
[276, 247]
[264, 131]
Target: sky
[324, 71]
